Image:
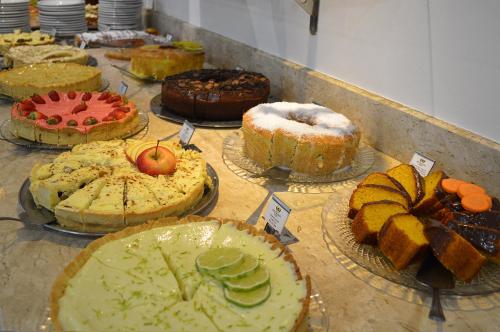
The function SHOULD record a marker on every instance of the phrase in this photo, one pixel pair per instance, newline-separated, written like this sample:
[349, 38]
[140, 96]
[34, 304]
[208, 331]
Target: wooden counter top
[30, 259]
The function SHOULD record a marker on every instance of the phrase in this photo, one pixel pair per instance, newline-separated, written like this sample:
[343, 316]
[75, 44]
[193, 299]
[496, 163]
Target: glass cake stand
[369, 264]
[235, 159]
[318, 317]
[138, 132]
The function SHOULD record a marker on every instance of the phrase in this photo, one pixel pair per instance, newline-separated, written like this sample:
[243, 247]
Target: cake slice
[381, 179]
[370, 219]
[433, 192]
[374, 193]
[408, 177]
[402, 240]
[453, 251]
[140, 203]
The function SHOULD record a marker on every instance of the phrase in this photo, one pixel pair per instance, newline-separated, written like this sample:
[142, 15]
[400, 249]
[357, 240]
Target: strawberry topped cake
[73, 118]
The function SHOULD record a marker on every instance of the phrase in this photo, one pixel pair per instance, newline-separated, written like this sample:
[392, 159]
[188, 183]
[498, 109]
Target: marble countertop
[31, 258]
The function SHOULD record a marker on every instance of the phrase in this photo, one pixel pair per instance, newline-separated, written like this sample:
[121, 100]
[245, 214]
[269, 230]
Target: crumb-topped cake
[98, 187]
[17, 38]
[27, 55]
[73, 118]
[24, 82]
[307, 138]
[196, 274]
[214, 94]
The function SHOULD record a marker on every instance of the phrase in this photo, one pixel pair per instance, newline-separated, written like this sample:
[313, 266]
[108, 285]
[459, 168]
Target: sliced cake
[432, 192]
[410, 180]
[370, 219]
[453, 251]
[374, 193]
[402, 239]
[381, 179]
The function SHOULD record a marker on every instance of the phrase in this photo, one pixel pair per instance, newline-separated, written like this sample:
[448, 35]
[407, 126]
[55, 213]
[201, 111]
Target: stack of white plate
[120, 15]
[14, 14]
[66, 17]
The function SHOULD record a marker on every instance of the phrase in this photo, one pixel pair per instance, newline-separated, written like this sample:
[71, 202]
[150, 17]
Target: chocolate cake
[214, 94]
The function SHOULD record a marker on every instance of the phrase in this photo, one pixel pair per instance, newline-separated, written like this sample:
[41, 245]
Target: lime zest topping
[248, 299]
[255, 280]
[218, 258]
[247, 266]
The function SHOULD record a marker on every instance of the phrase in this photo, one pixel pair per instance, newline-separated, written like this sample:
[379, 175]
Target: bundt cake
[370, 219]
[374, 193]
[401, 239]
[453, 251]
[410, 180]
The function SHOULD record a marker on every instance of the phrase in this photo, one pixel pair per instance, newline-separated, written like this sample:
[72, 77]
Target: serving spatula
[434, 275]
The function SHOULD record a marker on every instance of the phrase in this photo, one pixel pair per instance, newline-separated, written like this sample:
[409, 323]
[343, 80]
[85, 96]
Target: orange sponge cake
[410, 180]
[402, 239]
[453, 251]
[432, 184]
[374, 193]
[370, 219]
[381, 179]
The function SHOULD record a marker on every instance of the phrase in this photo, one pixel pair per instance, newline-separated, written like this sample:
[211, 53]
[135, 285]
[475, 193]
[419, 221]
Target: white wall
[441, 57]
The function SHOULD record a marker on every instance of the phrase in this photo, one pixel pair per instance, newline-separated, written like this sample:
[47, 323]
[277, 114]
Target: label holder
[276, 216]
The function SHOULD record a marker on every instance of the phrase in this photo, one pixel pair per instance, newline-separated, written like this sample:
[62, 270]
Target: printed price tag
[53, 32]
[83, 44]
[422, 164]
[123, 88]
[277, 214]
[186, 132]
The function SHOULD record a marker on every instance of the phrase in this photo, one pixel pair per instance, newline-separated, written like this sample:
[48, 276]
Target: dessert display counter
[32, 257]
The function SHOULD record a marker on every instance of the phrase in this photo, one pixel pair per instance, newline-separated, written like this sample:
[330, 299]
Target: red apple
[156, 160]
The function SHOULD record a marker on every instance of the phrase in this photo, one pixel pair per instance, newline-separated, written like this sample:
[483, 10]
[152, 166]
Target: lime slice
[218, 258]
[247, 266]
[249, 282]
[248, 299]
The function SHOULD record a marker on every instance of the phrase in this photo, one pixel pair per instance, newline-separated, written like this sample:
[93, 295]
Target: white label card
[277, 214]
[53, 32]
[186, 132]
[123, 88]
[83, 44]
[422, 164]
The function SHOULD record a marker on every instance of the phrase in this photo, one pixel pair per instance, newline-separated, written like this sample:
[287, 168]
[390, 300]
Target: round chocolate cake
[214, 94]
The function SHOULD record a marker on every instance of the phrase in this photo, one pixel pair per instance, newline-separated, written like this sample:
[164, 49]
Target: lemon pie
[24, 82]
[153, 277]
[95, 187]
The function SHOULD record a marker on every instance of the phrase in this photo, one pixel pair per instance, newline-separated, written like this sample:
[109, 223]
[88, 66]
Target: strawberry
[21, 111]
[54, 119]
[72, 123]
[54, 95]
[113, 99]
[108, 118]
[105, 95]
[72, 95]
[36, 116]
[27, 105]
[86, 96]
[79, 108]
[90, 121]
[123, 109]
[118, 115]
[37, 99]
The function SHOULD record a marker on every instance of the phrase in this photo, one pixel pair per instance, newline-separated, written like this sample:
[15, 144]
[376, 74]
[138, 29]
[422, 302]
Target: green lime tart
[192, 274]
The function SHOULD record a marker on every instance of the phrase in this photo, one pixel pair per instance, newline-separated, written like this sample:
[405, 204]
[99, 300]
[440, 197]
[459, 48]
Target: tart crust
[79, 261]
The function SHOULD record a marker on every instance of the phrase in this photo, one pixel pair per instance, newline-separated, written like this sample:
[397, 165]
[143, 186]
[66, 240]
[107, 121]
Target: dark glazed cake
[214, 94]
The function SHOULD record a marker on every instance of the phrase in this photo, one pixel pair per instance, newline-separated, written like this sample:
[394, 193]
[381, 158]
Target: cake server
[434, 275]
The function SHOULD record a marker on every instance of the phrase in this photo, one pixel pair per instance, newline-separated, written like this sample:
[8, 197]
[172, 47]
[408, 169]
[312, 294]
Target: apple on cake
[307, 138]
[97, 187]
[193, 274]
[72, 118]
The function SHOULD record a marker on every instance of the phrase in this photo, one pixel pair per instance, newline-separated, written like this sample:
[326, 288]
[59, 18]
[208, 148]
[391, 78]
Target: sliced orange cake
[402, 239]
[410, 180]
[374, 193]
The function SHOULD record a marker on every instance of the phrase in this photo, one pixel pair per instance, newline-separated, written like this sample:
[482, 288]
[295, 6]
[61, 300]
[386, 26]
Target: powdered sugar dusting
[301, 119]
